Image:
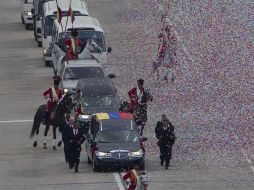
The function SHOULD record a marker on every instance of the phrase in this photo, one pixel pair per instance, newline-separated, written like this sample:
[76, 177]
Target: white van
[48, 16]
[37, 14]
[88, 28]
[26, 15]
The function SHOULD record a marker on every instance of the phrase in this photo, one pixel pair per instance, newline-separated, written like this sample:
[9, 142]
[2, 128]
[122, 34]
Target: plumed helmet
[140, 81]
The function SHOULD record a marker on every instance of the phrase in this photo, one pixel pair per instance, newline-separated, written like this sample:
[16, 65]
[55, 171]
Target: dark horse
[140, 111]
[56, 118]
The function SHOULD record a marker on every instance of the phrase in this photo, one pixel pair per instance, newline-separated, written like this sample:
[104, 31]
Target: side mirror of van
[38, 18]
[38, 30]
[32, 11]
[109, 50]
[111, 76]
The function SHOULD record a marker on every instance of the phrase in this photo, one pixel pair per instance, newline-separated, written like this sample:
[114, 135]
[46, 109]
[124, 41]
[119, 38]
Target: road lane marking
[119, 181]
[16, 121]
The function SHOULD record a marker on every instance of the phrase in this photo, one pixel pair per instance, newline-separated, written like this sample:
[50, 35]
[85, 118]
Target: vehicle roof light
[102, 116]
[114, 115]
[125, 115]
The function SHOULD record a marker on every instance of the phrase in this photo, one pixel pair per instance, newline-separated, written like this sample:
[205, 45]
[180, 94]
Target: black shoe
[162, 162]
[76, 170]
[70, 165]
[35, 144]
[166, 167]
[59, 143]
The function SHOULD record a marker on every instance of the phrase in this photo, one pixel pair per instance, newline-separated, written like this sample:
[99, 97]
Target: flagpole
[161, 39]
[68, 16]
[59, 15]
[163, 25]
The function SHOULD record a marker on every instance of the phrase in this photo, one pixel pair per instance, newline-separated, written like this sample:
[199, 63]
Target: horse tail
[37, 119]
[33, 129]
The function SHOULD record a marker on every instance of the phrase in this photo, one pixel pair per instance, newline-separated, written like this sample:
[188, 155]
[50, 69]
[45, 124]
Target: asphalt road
[23, 77]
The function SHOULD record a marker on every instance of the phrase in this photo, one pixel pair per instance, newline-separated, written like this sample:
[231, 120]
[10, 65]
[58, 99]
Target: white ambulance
[49, 14]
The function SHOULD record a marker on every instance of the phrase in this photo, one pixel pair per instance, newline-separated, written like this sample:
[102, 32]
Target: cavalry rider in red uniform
[72, 45]
[53, 94]
[136, 93]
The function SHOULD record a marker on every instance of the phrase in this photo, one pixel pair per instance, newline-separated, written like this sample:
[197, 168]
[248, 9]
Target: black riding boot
[45, 117]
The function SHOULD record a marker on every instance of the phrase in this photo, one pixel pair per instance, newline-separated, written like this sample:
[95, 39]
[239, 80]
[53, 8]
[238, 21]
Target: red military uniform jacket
[78, 110]
[70, 51]
[133, 178]
[52, 94]
[134, 95]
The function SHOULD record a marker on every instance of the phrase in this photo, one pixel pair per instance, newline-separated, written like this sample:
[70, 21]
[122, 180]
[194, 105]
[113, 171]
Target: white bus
[49, 15]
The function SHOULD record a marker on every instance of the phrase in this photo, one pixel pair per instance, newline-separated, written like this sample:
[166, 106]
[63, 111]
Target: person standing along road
[164, 131]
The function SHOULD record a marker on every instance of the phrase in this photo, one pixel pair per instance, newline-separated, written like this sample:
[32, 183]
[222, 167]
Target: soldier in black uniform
[75, 138]
[166, 138]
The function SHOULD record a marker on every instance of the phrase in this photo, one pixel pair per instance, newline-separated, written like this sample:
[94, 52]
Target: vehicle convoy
[49, 14]
[70, 72]
[26, 14]
[114, 142]
[88, 28]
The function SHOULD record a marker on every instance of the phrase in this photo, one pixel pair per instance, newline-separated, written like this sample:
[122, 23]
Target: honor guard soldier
[75, 138]
[166, 138]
